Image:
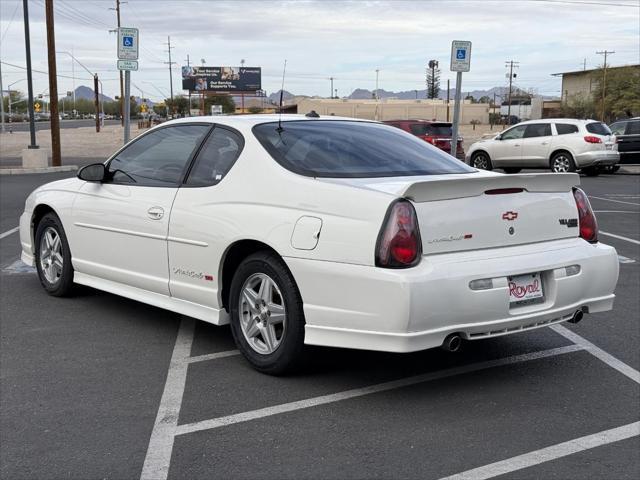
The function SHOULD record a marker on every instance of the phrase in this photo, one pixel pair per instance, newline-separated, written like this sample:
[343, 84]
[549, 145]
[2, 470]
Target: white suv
[563, 145]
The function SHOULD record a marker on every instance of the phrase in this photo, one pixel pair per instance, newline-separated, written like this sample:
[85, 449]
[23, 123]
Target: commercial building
[583, 82]
[394, 109]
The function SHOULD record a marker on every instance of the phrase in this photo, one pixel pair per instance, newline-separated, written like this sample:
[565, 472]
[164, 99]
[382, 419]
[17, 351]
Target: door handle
[155, 213]
[544, 143]
[517, 145]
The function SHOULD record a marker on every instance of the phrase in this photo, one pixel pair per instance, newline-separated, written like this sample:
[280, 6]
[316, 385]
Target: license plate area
[525, 289]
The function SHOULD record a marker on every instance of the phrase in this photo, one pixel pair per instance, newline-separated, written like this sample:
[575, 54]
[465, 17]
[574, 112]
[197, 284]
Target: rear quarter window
[598, 128]
[566, 128]
[342, 149]
[633, 128]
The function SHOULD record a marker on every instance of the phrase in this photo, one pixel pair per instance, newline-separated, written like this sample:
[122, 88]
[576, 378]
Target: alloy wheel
[561, 164]
[51, 259]
[480, 161]
[263, 316]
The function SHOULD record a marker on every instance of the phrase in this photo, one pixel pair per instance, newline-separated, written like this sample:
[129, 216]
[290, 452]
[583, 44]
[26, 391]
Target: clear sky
[348, 40]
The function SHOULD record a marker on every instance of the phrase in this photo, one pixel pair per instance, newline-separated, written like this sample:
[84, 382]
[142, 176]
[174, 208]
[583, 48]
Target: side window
[216, 158]
[514, 133]
[537, 130]
[566, 128]
[633, 128]
[159, 158]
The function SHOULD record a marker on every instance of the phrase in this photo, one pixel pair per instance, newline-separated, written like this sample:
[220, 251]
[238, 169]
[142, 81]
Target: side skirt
[206, 314]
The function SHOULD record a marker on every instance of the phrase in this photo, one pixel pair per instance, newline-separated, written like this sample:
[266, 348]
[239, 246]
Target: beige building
[393, 109]
[583, 82]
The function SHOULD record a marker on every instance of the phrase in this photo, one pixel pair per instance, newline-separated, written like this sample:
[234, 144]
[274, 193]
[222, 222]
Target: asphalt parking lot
[97, 386]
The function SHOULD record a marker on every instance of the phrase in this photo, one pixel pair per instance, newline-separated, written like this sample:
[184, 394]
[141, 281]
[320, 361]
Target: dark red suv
[436, 133]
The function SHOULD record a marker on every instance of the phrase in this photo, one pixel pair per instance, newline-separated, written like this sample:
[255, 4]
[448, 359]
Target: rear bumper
[597, 158]
[371, 308]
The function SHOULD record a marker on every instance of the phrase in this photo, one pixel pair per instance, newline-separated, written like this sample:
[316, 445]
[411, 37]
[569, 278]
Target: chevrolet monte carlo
[321, 231]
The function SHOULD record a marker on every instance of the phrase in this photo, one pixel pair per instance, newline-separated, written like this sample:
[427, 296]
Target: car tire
[512, 170]
[591, 171]
[271, 347]
[53, 256]
[562, 162]
[481, 160]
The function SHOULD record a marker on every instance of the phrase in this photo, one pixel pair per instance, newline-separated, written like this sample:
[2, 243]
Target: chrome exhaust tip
[452, 343]
[576, 317]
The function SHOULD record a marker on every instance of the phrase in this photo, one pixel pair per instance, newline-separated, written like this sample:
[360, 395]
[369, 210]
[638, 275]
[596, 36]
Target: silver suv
[562, 145]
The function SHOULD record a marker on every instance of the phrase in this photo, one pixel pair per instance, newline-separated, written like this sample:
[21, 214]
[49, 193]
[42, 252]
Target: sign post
[127, 61]
[460, 62]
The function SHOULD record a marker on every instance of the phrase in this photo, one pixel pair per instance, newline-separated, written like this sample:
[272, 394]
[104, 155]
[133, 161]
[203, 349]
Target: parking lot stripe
[597, 352]
[360, 392]
[156, 462]
[620, 237]
[549, 453]
[213, 356]
[9, 232]
[617, 201]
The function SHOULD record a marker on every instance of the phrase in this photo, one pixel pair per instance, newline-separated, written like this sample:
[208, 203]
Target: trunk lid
[494, 211]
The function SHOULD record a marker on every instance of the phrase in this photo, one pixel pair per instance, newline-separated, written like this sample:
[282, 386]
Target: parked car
[436, 133]
[562, 145]
[321, 231]
[627, 133]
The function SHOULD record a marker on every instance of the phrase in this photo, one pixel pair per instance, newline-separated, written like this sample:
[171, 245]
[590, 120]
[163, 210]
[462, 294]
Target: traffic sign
[127, 43]
[36, 107]
[460, 56]
[128, 65]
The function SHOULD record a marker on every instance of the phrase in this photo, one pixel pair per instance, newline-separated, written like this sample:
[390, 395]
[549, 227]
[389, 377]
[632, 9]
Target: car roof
[248, 121]
[553, 120]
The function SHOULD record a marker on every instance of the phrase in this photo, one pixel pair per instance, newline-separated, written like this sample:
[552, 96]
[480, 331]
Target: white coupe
[322, 231]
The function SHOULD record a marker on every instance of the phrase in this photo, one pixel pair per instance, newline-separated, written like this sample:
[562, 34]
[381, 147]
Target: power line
[10, 21]
[47, 73]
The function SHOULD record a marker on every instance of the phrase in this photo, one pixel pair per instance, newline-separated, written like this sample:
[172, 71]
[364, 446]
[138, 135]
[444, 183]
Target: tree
[433, 79]
[18, 102]
[228, 105]
[470, 97]
[179, 105]
[484, 99]
[622, 97]
[255, 109]
[579, 106]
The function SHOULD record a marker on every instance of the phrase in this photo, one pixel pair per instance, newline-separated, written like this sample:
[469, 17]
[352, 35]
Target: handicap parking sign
[460, 54]
[127, 41]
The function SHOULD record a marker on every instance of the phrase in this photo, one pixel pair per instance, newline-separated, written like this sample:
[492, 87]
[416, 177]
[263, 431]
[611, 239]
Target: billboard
[221, 79]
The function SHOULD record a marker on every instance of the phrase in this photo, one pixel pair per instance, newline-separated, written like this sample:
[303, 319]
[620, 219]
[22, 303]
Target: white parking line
[360, 392]
[597, 352]
[620, 237]
[213, 356]
[156, 462]
[549, 453]
[616, 201]
[9, 232]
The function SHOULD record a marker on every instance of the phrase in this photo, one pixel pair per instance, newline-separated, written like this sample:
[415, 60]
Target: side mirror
[499, 137]
[95, 172]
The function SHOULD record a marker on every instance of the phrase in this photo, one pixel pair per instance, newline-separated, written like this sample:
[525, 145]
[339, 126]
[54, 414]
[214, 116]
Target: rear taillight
[428, 140]
[399, 244]
[586, 217]
[592, 139]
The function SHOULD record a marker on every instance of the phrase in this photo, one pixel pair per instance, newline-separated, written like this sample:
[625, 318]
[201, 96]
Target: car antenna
[284, 69]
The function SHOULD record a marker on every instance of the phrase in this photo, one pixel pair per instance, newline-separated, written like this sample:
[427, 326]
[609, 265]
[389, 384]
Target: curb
[21, 171]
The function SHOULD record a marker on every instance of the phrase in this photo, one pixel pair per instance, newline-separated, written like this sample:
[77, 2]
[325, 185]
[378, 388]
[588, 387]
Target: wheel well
[480, 151]
[560, 150]
[232, 259]
[39, 212]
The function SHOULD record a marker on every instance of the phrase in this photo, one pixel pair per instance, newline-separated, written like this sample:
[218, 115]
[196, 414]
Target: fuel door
[306, 233]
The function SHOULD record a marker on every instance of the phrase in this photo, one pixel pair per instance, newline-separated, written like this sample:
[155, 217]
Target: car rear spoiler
[446, 189]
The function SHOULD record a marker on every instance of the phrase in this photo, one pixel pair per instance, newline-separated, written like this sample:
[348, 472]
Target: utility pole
[170, 63]
[2, 101]
[96, 101]
[511, 64]
[377, 93]
[604, 78]
[584, 65]
[331, 94]
[188, 65]
[27, 44]
[56, 158]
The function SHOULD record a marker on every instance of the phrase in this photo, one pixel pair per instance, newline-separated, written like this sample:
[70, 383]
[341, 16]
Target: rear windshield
[430, 129]
[598, 128]
[352, 149]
